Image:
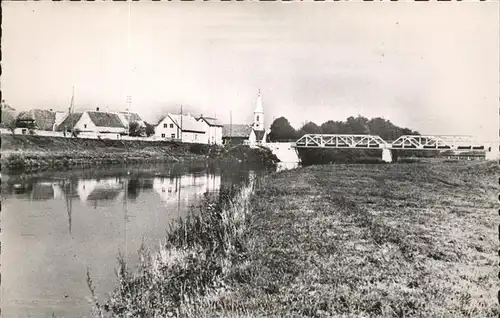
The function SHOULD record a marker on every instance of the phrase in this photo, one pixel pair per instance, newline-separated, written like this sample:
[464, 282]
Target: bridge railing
[341, 141]
[417, 142]
[436, 142]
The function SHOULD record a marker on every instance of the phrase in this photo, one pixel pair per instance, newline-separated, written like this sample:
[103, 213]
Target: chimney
[97, 109]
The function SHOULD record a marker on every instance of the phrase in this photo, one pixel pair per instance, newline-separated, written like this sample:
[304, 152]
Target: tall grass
[192, 263]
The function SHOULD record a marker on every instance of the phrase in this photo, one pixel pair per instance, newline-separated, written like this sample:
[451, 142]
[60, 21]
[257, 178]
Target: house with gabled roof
[183, 128]
[93, 122]
[41, 119]
[213, 129]
[236, 134]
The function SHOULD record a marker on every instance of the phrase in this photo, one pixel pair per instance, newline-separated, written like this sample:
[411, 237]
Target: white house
[184, 128]
[93, 122]
[213, 129]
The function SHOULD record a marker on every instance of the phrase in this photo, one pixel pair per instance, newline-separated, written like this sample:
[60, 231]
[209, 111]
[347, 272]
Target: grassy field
[394, 240]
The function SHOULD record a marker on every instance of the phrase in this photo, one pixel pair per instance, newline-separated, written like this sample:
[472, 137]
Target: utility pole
[231, 126]
[181, 123]
[71, 106]
[129, 101]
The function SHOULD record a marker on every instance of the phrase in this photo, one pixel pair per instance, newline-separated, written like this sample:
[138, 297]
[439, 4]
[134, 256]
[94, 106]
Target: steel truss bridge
[409, 142]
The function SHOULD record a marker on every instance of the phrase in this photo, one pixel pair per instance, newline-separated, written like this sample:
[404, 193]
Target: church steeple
[258, 114]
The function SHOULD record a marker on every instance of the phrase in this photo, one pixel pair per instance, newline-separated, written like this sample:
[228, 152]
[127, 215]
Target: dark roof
[103, 119]
[236, 131]
[44, 119]
[211, 121]
[259, 134]
[69, 122]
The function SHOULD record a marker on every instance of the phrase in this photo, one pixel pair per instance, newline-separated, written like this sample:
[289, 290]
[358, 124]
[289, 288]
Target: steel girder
[435, 143]
[373, 142]
[340, 141]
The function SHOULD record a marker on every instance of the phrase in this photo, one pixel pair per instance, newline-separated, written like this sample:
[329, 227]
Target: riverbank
[348, 240]
[24, 153]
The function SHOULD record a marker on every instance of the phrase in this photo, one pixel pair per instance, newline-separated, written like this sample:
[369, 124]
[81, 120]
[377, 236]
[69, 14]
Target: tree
[281, 130]
[150, 129]
[135, 130]
[358, 125]
[309, 128]
[334, 127]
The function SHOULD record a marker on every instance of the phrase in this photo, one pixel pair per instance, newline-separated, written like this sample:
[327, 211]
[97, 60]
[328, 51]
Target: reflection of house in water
[100, 191]
[46, 191]
[186, 188]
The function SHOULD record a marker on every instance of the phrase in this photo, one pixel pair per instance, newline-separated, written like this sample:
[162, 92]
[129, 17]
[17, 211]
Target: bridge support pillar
[386, 155]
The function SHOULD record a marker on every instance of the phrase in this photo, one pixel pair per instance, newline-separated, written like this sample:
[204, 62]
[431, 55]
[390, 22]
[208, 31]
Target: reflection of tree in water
[133, 188]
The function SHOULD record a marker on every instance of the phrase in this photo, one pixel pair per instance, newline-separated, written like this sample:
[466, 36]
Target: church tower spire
[258, 114]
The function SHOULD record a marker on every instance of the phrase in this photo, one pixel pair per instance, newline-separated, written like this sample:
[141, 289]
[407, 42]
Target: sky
[431, 67]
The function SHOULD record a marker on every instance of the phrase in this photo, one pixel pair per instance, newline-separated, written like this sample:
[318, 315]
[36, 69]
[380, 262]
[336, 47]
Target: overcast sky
[432, 67]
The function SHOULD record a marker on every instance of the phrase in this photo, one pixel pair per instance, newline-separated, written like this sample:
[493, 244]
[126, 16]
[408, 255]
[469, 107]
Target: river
[56, 225]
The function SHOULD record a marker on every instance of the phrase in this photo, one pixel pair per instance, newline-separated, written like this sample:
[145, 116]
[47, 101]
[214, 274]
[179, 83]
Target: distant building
[37, 118]
[93, 122]
[131, 117]
[213, 129]
[252, 135]
[236, 134]
[184, 128]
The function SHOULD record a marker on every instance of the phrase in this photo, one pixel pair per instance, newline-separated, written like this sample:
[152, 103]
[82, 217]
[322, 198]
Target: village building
[213, 129]
[236, 134]
[183, 128]
[40, 119]
[252, 135]
[127, 118]
[95, 122]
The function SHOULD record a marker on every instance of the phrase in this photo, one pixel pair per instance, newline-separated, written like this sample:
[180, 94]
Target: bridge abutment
[386, 155]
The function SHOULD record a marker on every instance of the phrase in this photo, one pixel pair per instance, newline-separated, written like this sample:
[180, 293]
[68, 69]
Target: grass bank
[198, 254]
[25, 153]
[335, 240]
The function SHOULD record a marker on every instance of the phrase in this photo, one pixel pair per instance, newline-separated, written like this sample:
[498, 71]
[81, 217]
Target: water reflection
[56, 225]
[97, 192]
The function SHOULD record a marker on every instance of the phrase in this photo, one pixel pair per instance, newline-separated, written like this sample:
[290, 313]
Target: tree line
[282, 130]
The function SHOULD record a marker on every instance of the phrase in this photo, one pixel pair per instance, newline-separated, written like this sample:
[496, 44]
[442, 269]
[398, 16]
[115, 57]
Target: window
[165, 126]
[195, 137]
[171, 125]
[173, 136]
[85, 126]
[257, 117]
[162, 135]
